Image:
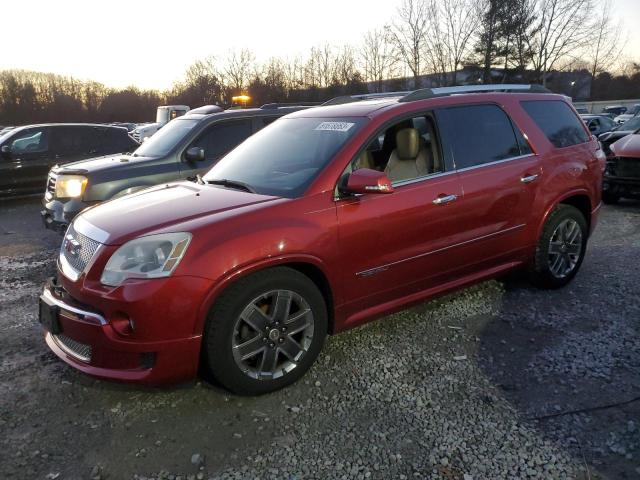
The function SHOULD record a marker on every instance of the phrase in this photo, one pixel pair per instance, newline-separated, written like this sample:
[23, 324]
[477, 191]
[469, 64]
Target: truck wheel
[265, 331]
[561, 248]
[610, 198]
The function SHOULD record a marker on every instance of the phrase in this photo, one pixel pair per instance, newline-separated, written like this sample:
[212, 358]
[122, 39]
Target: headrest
[407, 143]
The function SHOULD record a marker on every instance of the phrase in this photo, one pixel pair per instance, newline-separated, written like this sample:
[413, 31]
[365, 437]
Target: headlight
[70, 186]
[154, 256]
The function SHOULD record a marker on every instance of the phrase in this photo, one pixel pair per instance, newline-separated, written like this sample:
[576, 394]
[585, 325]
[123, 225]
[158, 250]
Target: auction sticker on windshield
[335, 126]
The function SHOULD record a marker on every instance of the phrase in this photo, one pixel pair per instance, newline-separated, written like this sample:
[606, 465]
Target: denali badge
[72, 246]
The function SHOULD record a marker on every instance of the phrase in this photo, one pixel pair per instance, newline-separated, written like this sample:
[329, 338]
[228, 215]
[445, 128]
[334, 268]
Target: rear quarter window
[558, 122]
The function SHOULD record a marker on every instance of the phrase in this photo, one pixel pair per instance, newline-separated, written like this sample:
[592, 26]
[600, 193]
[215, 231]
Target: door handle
[443, 200]
[529, 178]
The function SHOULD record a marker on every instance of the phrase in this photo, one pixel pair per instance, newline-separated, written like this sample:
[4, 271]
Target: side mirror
[366, 180]
[6, 151]
[593, 128]
[194, 154]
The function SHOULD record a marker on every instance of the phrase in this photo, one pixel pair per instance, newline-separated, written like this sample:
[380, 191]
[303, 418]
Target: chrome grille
[73, 348]
[136, 136]
[78, 249]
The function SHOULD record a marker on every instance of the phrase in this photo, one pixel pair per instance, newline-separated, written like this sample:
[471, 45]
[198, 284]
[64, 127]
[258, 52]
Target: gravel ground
[497, 381]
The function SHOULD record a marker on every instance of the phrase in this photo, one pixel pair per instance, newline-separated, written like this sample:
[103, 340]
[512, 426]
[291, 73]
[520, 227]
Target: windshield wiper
[232, 184]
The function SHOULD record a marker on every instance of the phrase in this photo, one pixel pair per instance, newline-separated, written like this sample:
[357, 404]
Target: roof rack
[424, 93]
[270, 106]
[365, 96]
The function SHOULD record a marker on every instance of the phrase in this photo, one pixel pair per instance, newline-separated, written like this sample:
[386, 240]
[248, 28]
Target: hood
[160, 208]
[100, 163]
[628, 147]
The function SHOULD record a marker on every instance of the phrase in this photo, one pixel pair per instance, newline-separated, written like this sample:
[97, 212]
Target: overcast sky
[151, 43]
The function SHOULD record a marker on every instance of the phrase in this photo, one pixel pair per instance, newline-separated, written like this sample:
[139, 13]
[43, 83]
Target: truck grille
[78, 249]
[136, 136]
[75, 349]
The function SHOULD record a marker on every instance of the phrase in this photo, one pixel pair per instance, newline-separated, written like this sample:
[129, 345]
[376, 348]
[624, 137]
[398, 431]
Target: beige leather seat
[410, 159]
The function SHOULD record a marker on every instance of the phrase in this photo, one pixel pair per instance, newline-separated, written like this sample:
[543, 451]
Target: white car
[632, 112]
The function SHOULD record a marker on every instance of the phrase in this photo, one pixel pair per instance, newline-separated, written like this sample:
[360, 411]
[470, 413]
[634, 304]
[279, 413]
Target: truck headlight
[70, 186]
[153, 256]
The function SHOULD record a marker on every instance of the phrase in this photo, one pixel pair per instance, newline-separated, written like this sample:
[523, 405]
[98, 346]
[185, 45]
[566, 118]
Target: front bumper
[57, 214]
[622, 186]
[98, 343]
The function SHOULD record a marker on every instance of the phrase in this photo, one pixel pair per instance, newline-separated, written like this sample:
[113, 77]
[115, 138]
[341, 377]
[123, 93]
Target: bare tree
[606, 45]
[409, 33]
[346, 66]
[239, 69]
[378, 57]
[562, 32]
[461, 19]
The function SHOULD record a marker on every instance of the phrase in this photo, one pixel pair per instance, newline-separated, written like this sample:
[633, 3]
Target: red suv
[326, 219]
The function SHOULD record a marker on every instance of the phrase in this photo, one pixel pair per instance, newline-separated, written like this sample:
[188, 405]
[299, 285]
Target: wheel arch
[309, 266]
[579, 199]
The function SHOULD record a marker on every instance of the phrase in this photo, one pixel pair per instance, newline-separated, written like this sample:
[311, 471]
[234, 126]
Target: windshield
[284, 158]
[634, 110]
[631, 124]
[165, 139]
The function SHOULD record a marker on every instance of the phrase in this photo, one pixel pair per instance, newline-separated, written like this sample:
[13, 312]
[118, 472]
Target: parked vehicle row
[628, 114]
[164, 115]
[27, 153]
[324, 220]
[187, 146]
[598, 124]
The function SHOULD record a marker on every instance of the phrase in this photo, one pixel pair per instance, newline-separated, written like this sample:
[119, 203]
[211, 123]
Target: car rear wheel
[561, 248]
[265, 331]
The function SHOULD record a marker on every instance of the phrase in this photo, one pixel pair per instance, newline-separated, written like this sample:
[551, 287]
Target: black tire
[610, 198]
[540, 270]
[220, 330]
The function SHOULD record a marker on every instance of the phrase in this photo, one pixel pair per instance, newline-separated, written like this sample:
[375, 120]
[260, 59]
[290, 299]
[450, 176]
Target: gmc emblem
[72, 246]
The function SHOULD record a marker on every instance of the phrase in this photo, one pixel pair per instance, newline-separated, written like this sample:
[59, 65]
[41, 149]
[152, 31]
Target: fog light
[147, 360]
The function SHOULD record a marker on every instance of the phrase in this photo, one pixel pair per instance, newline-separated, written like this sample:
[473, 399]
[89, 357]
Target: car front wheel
[265, 331]
[561, 248]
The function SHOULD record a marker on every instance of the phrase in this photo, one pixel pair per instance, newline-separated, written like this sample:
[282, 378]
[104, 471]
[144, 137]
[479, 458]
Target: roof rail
[206, 110]
[424, 93]
[364, 96]
[270, 106]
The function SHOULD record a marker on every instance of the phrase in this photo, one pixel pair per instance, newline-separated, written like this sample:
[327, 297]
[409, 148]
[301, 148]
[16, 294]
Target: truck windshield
[285, 157]
[165, 139]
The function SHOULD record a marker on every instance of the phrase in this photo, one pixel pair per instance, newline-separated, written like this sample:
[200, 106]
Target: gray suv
[185, 147]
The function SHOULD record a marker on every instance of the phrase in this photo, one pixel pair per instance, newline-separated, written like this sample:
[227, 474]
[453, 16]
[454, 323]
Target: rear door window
[221, 138]
[72, 140]
[474, 135]
[558, 122]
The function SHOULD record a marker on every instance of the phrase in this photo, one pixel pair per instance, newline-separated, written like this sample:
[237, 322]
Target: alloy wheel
[272, 334]
[565, 248]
